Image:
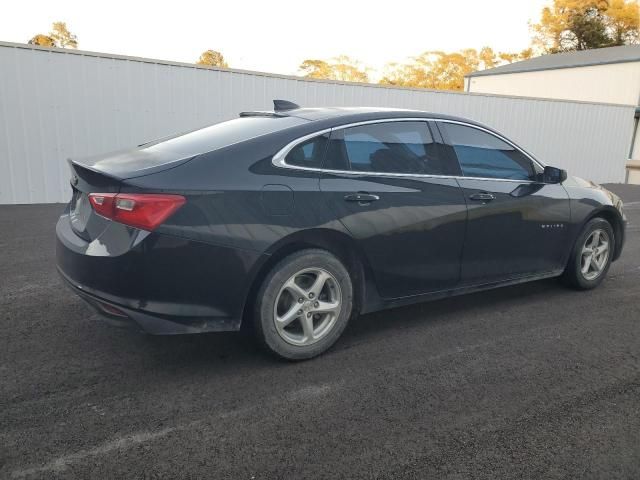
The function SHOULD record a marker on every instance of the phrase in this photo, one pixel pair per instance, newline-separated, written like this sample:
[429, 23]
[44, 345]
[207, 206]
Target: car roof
[343, 115]
[323, 113]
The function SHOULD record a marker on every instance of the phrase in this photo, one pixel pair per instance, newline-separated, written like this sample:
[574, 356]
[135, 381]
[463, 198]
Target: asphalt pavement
[530, 381]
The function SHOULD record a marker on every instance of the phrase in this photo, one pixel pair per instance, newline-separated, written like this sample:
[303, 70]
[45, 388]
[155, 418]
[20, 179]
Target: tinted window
[392, 147]
[309, 153]
[220, 135]
[481, 154]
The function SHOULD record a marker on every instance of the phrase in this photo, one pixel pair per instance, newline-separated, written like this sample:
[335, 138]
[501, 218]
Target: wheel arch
[611, 215]
[339, 244]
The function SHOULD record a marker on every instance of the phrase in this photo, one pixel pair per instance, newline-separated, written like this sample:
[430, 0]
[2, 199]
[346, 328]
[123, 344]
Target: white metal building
[605, 75]
[56, 104]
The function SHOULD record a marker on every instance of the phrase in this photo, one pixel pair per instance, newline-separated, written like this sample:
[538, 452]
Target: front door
[387, 184]
[517, 225]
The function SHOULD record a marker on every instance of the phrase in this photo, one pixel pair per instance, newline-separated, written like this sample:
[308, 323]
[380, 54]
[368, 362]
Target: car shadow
[238, 348]
[378, 323]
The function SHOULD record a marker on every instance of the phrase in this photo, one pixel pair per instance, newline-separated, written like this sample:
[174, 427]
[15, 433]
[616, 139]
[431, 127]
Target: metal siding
[55, 105]
[611, 83]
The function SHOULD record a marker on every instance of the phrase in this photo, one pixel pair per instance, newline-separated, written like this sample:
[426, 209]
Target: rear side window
[481, 154]
[220, 135]
[388, 147]
[309, 153]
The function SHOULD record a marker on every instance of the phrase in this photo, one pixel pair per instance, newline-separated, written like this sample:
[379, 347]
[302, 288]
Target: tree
[59, 36]
[62, 37]
[515, 57]
[315, 69]
[42, 40]
[212, 58]
[488, 57]
[446, 71]
[340, 68]
[436, 69]
[583, 24]
[623, 22]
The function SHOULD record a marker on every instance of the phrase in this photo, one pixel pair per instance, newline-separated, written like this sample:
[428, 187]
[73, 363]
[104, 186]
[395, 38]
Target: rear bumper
[149, 322]
[162, 284]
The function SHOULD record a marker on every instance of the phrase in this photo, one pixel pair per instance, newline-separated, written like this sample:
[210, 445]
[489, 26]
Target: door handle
[482, 196]
[361, 197]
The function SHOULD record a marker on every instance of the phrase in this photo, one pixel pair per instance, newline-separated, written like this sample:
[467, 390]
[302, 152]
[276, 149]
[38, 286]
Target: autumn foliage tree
[341, 68]
[623, 22]
[59, 36]
[446, 71]
[569, 25]
[212, 58]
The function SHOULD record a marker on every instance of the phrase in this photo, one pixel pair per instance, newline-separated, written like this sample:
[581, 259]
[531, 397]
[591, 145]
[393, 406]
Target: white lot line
[60, 464]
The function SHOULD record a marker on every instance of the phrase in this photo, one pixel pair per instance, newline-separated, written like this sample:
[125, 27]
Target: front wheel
[303, 305]
[591, 255]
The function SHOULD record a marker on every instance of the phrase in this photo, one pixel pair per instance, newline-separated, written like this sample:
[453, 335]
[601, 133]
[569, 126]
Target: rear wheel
[591, 256]
[303, 305]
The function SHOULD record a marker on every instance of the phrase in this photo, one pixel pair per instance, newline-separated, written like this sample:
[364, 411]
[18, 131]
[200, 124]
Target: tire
[575, 275]
[289, 293]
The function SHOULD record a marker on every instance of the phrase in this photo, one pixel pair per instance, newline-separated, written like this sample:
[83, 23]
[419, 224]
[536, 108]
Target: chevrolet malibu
[297, 219]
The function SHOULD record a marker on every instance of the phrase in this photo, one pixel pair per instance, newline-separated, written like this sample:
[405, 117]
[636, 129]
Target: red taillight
[140, 210]
[103, 203]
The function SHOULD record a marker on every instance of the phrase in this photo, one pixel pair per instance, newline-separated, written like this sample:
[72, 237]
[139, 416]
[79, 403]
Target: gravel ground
[528, 381]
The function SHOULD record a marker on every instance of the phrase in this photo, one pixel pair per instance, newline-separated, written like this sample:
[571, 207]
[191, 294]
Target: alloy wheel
[307, 306]
[595, 254]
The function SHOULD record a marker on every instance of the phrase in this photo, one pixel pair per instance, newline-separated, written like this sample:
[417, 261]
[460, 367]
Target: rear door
[517, 225]
[390, 185]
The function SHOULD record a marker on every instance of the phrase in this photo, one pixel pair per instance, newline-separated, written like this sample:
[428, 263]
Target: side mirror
[554, 175]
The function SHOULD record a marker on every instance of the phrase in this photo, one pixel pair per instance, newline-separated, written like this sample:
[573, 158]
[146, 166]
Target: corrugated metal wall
[57, 104]
[609, 83]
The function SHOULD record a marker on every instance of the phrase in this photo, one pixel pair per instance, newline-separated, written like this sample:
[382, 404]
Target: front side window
[388, 147]
[483, 155]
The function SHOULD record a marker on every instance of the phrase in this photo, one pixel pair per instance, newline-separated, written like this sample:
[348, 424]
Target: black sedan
[296, 219]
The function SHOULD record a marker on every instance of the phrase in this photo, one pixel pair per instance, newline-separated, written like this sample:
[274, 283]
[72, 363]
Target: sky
[276, 36]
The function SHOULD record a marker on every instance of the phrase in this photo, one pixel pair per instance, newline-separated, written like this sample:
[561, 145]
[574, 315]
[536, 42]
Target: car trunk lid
[106, 174]
[85, 222]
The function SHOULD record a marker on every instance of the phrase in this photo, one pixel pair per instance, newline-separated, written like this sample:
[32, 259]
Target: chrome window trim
[278, 159]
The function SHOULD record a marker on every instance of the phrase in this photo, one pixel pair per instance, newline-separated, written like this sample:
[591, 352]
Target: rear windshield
[220, 135]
